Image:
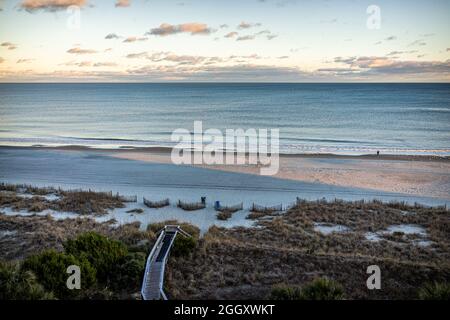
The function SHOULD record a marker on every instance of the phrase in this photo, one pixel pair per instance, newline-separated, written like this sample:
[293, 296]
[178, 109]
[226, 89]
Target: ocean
[312, 118]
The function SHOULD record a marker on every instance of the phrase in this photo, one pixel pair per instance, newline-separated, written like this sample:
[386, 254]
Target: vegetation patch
[77, 201]
[246, 263]
[318, 289]
[435, 291]
[50, 269]
[19, 284]
[224, 215]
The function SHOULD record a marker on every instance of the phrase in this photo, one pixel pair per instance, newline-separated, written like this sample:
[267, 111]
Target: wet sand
[415, 176]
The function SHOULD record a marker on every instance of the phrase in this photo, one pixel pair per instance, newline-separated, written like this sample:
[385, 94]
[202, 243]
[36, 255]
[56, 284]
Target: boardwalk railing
[156, 204]
[153, 282]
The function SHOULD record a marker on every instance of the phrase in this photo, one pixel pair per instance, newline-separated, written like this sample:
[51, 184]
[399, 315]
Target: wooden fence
[156, 204]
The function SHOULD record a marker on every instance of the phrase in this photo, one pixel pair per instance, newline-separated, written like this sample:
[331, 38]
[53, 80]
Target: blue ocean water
[312, 118]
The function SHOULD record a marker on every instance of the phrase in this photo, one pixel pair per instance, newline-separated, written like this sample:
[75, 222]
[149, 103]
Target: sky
[224, 41]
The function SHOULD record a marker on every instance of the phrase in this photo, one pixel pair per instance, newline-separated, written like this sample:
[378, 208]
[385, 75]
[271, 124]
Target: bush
[435, 291]
[50, 268]
[319, 289]
[128, 275]
[183, 246]
[322, 289]
[103, 254]
[284, 292]
[18, 284]
[224, 215]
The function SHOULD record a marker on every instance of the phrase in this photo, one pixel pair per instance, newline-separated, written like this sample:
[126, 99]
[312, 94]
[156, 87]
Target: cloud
[9, 45]
[223, 26]
[385, 65]
[338, 70]
[418, 42]
[245, 73]
[266, 32]
[245, 38]
[370, 62]
[1, 60]
[348, 60]
[394, 53]
[80, 64]
[413, 67]
[391, 38]
[448, 49]
[123, 3]
[112, 36]
[231, 34]
[50, 5]
[180, 59]
[171, 58]
[137, 55]
[247, 25]
[78, 50]
[250, 56]
[105, 64]
[174, 58]
[193, 28]
[24, 60]
[134, 39]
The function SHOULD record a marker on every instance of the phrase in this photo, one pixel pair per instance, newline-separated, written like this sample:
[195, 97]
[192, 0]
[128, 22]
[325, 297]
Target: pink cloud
[51, 5]
[123, 3]
[193, 28]
[80, 51]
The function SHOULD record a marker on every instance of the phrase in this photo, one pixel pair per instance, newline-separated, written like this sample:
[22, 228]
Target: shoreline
[168, 150]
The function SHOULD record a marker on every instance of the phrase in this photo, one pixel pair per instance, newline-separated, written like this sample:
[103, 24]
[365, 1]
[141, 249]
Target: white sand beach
[421, 176]
[151, 175]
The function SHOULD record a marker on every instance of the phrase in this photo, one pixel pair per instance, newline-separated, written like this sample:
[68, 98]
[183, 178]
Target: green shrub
[435, 291]
[18, 284]
[319, 289]
[322, 289]
[50, 268]
[128, 274]
[183, 246]
[283, 292]
[103, 254]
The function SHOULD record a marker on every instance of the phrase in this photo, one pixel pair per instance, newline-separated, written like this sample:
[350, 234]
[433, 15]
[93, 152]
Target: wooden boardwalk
[152, 284]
